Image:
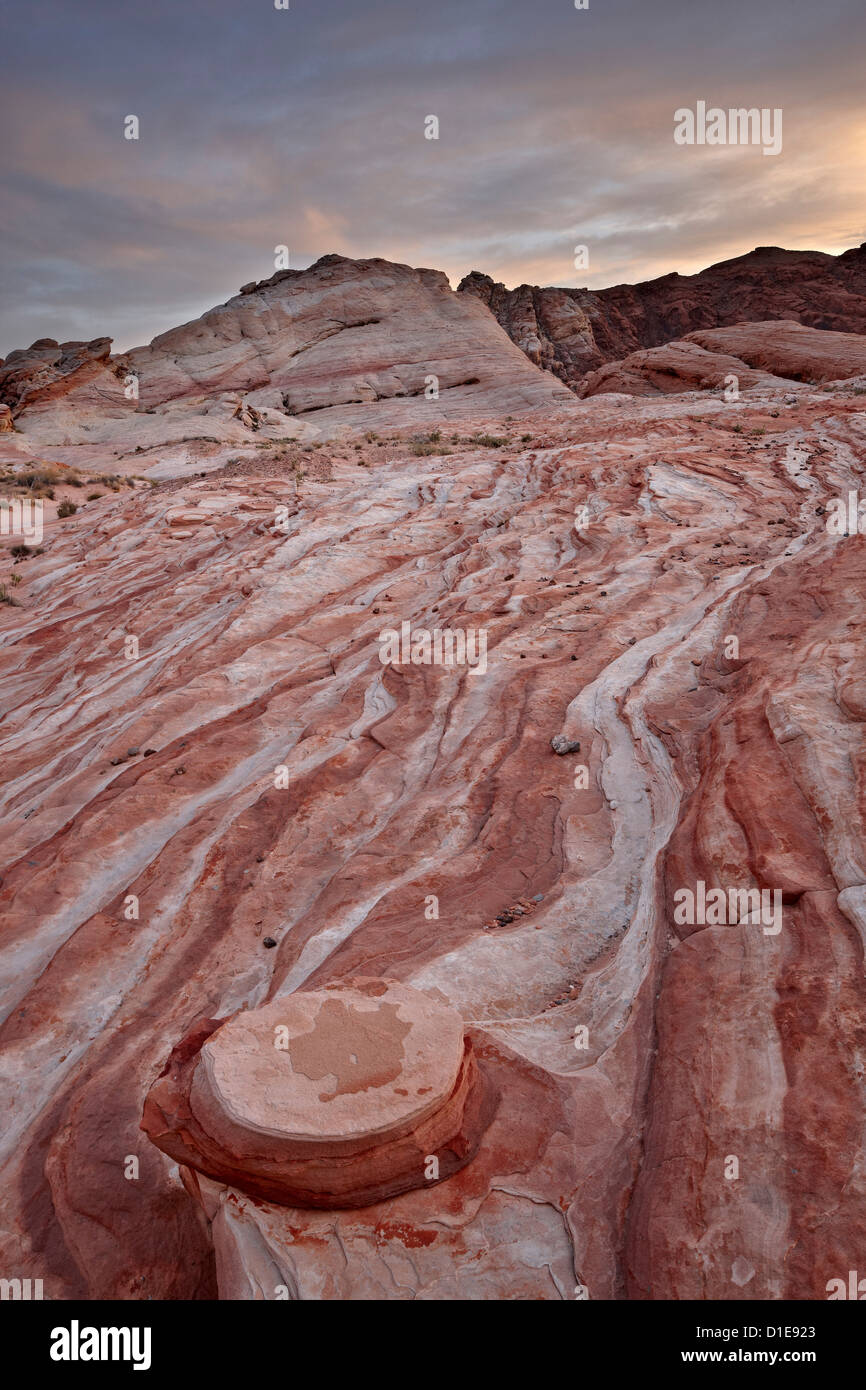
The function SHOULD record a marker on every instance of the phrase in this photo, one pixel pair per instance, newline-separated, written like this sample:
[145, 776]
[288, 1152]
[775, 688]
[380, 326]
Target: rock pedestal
[335, 1098]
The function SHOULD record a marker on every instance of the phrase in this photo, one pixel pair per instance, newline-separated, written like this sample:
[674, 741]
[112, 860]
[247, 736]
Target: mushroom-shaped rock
[338, 1097]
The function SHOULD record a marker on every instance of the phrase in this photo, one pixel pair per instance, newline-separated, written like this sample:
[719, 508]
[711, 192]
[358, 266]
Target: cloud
[306, 128]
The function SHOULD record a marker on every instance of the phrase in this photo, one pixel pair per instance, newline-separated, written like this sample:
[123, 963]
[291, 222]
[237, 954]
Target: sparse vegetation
[6, 597]
[66, 508]
[424, 444]
[38, 482]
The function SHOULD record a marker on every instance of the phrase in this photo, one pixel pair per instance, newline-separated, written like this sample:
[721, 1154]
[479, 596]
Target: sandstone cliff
[573, 331]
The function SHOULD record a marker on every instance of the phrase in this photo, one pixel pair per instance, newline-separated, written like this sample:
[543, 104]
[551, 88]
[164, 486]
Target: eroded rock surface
[329, 1098]
[346, 343]
[574, 331]
[770, 354]
[217, 795]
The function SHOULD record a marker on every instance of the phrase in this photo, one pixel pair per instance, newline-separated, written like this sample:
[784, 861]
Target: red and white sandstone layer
[217, 798]
[304, 355]
[771, 354]
[574, 331]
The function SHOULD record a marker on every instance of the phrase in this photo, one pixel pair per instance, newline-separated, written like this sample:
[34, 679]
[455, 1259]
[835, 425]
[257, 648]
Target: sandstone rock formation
[631, 1057]
[768, 354]
[219, 801]
[573, 331]
[344, 344]
[332, 1098]
[48, 370]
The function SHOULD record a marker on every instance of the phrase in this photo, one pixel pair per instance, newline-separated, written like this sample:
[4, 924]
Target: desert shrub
[423, 444]
[66, 508]
[39, 481]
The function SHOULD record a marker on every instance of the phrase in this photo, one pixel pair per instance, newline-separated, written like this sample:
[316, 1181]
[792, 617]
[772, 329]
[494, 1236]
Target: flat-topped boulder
[330, 1098]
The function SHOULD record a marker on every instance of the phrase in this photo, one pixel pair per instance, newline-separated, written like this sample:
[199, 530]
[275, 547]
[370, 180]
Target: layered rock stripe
[153, 778]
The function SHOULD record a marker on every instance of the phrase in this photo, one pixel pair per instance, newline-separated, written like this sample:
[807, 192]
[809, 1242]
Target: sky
[305, 127]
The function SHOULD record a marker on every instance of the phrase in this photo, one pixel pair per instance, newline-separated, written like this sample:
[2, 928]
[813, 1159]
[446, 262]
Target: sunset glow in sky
[305, 127]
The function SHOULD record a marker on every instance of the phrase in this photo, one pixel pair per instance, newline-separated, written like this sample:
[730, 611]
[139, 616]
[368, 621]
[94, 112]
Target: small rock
[560, 744]
[269, 942]
[133, 752]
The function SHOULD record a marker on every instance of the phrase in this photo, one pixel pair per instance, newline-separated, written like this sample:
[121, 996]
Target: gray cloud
[305, 127]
